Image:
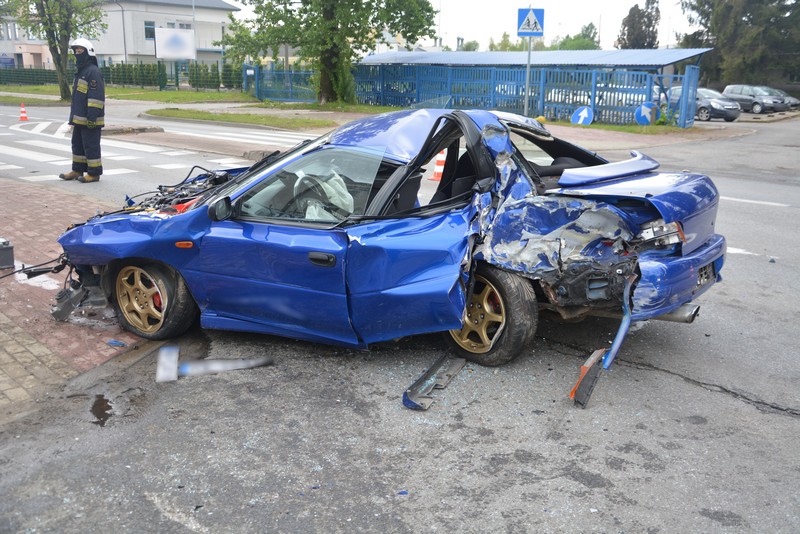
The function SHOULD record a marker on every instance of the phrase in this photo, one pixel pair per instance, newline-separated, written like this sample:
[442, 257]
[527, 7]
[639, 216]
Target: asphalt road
[694, 429]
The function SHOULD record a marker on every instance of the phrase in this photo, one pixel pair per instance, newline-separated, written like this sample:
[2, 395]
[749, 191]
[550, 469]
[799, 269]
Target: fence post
[492, 100]
[450, 83]
[542, 85]
[257, 81]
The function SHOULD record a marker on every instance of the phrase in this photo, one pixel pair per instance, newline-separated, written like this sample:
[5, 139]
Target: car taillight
[661, 234]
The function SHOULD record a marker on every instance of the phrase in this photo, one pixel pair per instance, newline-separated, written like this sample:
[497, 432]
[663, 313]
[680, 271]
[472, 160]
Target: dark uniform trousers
[86, 150]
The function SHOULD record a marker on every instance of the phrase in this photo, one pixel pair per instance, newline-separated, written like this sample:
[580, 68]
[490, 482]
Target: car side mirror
[220, 209]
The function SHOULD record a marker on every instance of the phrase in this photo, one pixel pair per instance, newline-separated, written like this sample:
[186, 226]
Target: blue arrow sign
[646, 114]
[530, 22]
[583, 115]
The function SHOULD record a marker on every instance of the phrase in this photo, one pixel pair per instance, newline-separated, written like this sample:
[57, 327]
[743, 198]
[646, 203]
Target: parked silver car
[710, 104]
[755, 98]
[792, 102]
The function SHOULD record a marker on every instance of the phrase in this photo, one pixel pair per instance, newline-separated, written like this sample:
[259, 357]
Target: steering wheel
[309, 183]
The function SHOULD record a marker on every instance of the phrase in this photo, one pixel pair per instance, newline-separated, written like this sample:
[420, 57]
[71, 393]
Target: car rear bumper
[669, 282]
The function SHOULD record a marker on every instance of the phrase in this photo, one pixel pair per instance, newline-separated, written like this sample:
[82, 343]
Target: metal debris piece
[66, 301]
[418, 396]
[590, 373]
[71, 298]
[169, 370]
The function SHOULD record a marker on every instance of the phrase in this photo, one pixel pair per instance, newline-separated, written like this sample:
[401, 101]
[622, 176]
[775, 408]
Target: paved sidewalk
[38, 353]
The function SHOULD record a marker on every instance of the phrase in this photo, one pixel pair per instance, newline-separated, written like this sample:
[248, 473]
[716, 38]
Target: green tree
[754, 40]
[640, 27]
[471, 46]
[505, 44]
[329, 33]
[58, 22]
[587, 39]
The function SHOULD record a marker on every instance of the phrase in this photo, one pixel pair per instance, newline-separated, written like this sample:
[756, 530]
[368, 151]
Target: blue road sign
[646, 114]
[530, 22]
[583, 115]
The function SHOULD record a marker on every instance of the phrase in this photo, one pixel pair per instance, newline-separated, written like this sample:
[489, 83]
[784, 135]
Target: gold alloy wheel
[484, 319]
[141, 298]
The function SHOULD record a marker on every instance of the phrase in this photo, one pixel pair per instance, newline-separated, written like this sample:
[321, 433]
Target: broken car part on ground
[345, 240]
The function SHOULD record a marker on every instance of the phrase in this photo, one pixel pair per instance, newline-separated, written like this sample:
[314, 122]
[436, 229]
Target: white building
[130, 35]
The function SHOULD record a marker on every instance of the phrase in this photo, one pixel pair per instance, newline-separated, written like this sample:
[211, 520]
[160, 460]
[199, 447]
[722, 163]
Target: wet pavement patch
[101, 409]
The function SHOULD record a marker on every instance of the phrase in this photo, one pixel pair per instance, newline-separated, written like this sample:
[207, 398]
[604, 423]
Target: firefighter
[86, 115]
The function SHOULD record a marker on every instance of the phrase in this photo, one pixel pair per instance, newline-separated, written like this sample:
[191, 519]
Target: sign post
[530, 23]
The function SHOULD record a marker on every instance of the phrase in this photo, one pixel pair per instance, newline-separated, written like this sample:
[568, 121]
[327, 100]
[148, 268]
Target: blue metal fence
[553, 93]
[280, 85]
[614, 95]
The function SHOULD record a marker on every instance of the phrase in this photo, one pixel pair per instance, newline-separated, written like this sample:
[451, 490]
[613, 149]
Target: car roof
[401, 134]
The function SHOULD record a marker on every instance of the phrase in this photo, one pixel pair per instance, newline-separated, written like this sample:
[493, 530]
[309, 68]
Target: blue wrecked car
[463, 222]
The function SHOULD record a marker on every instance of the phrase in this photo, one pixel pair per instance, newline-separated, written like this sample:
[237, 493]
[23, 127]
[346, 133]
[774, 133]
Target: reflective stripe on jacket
[88, 96]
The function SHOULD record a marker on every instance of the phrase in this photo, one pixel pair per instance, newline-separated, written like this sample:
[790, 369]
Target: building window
[185, 26]
[149, 29]
[170, 24]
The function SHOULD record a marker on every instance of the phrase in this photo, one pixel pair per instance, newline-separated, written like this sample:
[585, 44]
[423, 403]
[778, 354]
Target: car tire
[729, 119]
[152, 301]
[703, 114]
[756, 108]
[498, 336]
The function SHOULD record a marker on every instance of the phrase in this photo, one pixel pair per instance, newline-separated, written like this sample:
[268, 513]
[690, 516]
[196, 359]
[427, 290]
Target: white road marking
[28, 154]
[179, 153]
[62, 130]
[131, 146]
[229, 161]
[58, 146]
[119, 158]
[254, 137]
[761, 202]
[8, 167]
[39, 128]
[112, 172]
[169, 166]
[733, 250]
[40, 178]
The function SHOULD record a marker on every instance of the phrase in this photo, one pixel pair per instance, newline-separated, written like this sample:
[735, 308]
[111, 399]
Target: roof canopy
[643, 59]
[206, 4]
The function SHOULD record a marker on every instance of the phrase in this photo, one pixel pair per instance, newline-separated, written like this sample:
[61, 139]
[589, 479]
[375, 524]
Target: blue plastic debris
[116, 343]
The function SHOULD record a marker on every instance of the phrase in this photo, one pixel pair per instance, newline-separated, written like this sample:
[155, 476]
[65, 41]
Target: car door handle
[322, 258]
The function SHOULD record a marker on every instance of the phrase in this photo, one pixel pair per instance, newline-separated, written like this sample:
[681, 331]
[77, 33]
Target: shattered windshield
[328, 184]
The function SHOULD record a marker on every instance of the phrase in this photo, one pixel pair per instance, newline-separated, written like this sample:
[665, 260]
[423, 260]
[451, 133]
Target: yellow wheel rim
[141, 298]
[484, 319]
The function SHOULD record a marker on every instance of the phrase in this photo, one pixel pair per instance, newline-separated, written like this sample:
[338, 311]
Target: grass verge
[288, 123]
[137, 93]
[334, 106]
[15, 100]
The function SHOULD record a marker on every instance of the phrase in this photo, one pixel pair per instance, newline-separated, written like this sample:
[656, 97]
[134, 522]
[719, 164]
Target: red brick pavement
[36, 351]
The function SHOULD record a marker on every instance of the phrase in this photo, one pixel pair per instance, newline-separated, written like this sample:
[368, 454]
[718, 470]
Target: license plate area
[706, 275]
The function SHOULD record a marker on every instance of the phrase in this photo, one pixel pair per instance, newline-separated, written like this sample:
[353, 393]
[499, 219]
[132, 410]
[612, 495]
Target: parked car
[755, 98]
[710, 104]
[792, 102]
[345, 240]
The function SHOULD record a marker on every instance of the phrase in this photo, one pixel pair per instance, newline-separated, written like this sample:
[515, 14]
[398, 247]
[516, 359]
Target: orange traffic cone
[23, 115]
[439, 166]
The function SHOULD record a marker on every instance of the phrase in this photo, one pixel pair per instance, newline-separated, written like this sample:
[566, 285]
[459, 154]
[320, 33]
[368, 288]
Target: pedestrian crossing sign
[530, 22]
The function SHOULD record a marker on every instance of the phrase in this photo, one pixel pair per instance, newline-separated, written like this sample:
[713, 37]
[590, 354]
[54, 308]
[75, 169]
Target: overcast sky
[481, 20]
